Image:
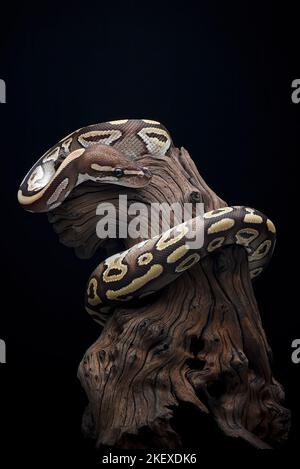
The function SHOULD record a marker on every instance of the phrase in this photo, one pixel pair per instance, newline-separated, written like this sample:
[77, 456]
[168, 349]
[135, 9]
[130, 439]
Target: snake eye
[118, 172]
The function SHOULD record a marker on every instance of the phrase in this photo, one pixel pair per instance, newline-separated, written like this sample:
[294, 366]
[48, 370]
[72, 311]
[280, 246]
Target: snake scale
[106, 153]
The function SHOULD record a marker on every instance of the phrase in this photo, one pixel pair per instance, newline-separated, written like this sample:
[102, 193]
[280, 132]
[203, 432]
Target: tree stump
[198, 342]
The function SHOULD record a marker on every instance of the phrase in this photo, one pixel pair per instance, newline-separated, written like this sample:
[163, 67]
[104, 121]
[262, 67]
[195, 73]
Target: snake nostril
[147, 172]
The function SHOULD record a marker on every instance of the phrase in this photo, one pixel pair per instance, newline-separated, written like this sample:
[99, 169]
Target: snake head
[106, 164]
[47, 185]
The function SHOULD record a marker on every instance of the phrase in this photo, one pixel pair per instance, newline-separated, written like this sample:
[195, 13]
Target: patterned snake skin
[106, 153]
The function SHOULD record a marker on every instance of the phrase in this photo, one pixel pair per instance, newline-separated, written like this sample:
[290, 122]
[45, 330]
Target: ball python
[106, 153]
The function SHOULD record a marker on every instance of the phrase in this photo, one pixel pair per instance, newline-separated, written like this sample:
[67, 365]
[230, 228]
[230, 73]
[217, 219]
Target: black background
[219, 76]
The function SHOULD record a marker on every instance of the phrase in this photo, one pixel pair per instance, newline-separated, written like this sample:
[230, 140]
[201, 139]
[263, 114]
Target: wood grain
[198, 342]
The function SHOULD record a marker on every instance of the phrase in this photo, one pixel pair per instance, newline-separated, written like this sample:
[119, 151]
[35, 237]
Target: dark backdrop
[219, 77]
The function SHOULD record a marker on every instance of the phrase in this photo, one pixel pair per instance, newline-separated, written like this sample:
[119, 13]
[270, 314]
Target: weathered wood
[200, 341]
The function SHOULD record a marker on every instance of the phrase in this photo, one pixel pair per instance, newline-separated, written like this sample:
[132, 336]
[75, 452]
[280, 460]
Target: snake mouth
[135, 178]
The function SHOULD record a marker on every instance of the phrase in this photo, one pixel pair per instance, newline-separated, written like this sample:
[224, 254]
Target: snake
[108, 153]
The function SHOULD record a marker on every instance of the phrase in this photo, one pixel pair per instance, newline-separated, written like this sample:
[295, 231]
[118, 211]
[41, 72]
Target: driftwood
[198, 343]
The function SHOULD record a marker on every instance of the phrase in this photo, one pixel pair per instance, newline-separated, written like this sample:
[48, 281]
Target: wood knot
[239, 361]
[161, 348]
[195, 196]
[144, 324]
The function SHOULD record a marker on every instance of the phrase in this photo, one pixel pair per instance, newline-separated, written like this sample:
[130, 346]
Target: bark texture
[199, 342]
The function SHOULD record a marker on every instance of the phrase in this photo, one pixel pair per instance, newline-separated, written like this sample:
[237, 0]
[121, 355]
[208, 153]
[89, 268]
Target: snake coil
[106, 153]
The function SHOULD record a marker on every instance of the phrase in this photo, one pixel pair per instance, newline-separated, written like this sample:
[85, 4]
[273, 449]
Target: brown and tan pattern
[198, 347]
[170, 254]
[98, 153]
